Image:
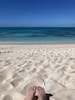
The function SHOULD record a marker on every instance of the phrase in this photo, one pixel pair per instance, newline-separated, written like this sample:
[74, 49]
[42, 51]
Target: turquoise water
[37, 34]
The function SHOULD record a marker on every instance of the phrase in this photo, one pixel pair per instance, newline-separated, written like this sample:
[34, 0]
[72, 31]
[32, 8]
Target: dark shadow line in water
[53, 35]
[38, 34]
[35, 36]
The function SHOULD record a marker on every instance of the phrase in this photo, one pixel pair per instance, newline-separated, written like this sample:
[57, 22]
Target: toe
[34, 88]
[41, 89]
[30, 93]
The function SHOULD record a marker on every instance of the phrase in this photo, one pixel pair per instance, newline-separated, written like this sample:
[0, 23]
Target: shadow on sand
[47, 95]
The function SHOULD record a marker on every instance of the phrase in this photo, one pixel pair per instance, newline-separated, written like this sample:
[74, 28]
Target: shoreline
[37, 43]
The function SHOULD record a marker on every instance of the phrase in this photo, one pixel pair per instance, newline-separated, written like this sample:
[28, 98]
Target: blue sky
[37, 12]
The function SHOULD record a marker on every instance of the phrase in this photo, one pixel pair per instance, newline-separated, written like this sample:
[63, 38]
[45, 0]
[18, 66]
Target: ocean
[37, 34]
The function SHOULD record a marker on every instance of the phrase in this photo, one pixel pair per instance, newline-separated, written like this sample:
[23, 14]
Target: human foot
[40, 93]
[31, 93]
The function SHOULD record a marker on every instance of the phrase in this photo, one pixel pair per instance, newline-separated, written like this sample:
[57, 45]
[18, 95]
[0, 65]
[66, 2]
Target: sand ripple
[50, 67]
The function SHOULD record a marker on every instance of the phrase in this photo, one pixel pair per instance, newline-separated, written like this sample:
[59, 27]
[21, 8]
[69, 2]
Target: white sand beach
[51, 66]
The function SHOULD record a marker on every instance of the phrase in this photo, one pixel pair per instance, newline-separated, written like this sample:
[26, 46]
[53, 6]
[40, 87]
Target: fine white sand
[50, 66]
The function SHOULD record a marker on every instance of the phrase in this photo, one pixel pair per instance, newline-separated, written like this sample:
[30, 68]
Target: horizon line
[35, 26]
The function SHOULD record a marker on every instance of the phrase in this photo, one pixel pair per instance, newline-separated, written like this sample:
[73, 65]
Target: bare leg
[41, 93]
[31, 93]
